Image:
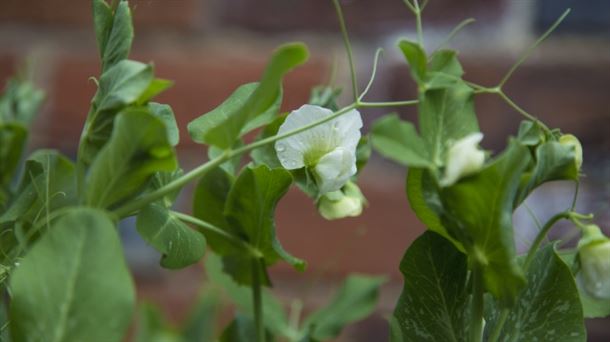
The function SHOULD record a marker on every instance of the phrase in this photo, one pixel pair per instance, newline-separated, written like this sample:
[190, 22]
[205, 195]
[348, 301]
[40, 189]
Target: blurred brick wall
[209, 47]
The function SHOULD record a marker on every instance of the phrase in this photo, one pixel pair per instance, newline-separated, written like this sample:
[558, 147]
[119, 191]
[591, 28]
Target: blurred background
[209, 47]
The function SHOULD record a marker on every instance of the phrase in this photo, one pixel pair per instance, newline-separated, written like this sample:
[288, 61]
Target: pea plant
[64, 275]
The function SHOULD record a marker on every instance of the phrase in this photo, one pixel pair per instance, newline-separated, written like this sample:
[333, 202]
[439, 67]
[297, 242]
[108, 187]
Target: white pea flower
[594, 257]
[329, 149]
[464, 158]
[348, 201]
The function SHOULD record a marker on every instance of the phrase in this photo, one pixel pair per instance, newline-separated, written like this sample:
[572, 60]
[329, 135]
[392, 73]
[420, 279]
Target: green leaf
[74, 284]
[325, 96]
[156, 87]
[47, 184]
[398, 140]
[355, 300]
[554, 161]
[209, 201]
[446, 115]
[266, 154]
[248, 108]
[102, 22]
[425, 202]
[363, 152]
[548, 309]
[12, 142]
[159, 180]
[416, 56]
[115, 41]
[274, 316]
[477, 211]
[444, 70]
[119, 87]
[434, 301]
[138, 148]
[251, 206]
[233, 165]
[180, 245]
[20, 102]
[530, 133]
[241, 329]
[166, 114]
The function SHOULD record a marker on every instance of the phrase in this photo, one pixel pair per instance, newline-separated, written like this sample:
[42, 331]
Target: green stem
[418, 24]
[532, 47]
[542, 235]
[370, 84]
[516, 107]
[387, 104]
[478, 291]
[498, 327]
[452, 34]
[348, 48]
[257, 301]
[221, 232]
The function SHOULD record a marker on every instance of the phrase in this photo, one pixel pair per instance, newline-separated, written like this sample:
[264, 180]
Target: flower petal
[463, 158]
[334, 169]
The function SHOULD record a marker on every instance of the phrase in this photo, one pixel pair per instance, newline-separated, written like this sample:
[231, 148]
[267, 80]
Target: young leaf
[12, 142]
[250, 208]
[398, 140]
[444, 70]
[180, 245]
[119, 87]
[114, 32]
[138, 148]
[445, 115]
[20, 102]
[548, 309]
[166, 114]
[434, 302]
[423, 197]
[74, 284]
[478, 212]
[156, 87]
[416, 57]
[355, 300]
[102, 23]
[248, 108]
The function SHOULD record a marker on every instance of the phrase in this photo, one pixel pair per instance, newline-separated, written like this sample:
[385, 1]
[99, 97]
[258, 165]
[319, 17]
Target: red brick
[180, 14]
[7, 69]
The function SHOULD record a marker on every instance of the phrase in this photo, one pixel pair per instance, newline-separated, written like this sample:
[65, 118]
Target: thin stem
[370, 84]
[214, 229]
[408, 3]
[455, 31]
[542, 235]
[388, 104]
[575, 197]
[257, 301]
[420, 32]
[348, 48]
[495, 334]
[476, 327]
[532, 47]
[516, 107]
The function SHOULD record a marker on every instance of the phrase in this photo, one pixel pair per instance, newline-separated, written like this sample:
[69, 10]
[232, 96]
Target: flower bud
[464, 158]
[594, 257]
[348, 201]
[570, 140]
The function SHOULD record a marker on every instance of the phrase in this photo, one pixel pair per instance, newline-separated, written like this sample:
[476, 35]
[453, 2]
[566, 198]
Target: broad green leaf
[116, 44]
[444, 70]
[180, 245]
[248, 108]
[138, 148]
[119, 87]
[554, 161]
[425, 202]
[209, 201]
[355, 300]
[434, 302]
[398, 140]
[251, 206]
[446, 115]
[477, 211]
[13, 136]
[159, 180]
[166, 114]
[548, 309]
[153, 327]
[416, 57]
[530, 133]
[266, 154]
[156, 87]
[200, 324]
[102, 22]
[74, 284]
[46, 185]
[274, 316]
